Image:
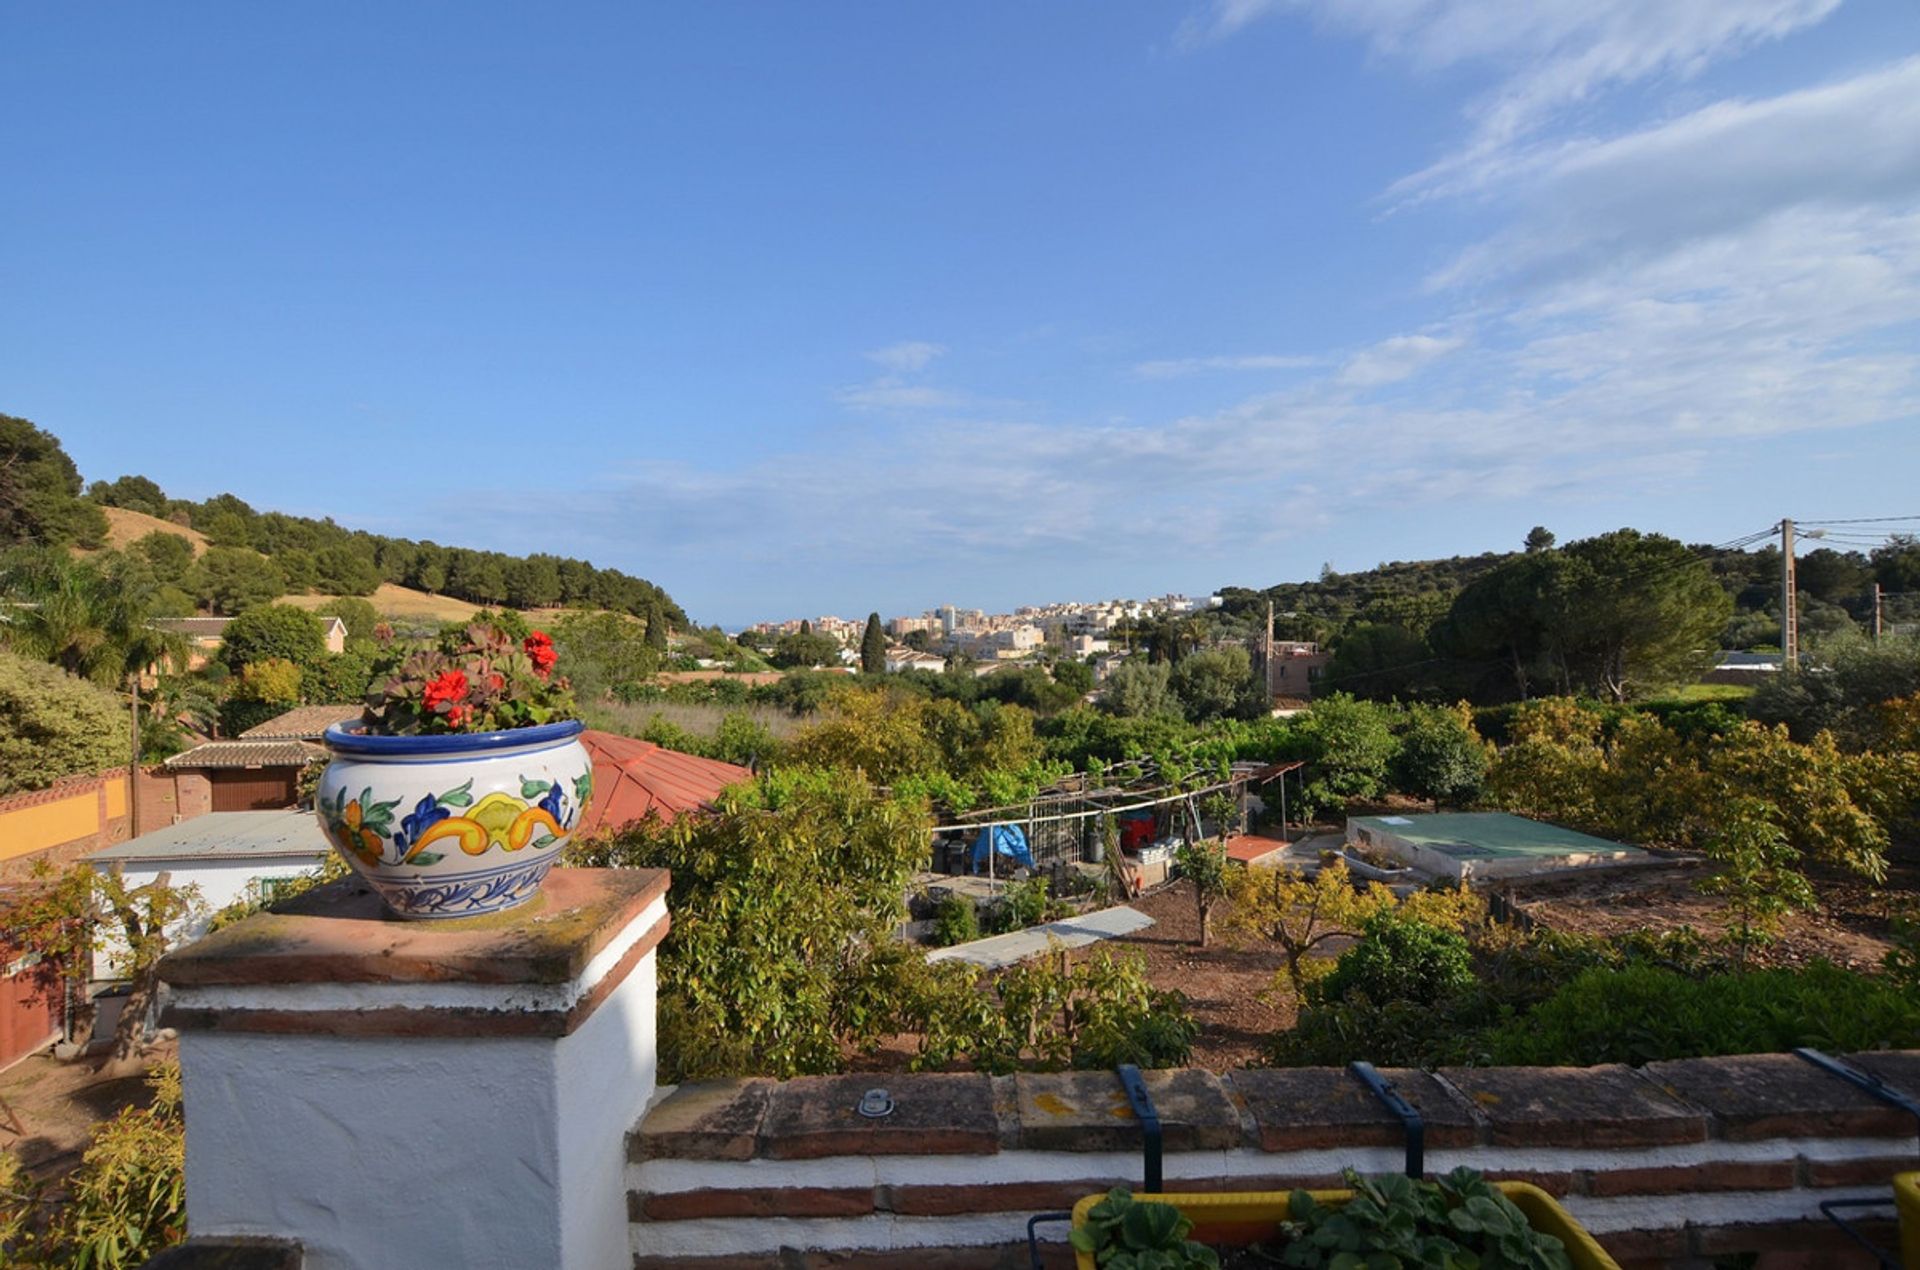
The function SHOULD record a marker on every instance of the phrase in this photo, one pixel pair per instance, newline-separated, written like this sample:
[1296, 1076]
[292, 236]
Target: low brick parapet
[1680, 1160]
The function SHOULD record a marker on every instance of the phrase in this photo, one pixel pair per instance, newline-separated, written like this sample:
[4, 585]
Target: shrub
[1641, 1013]
[1022, 905]
[125, 1202]
[955, 922]
[1040, 1015]
[1400, 958]
[54, 725]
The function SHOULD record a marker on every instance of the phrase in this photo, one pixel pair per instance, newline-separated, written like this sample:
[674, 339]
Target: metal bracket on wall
[1404, 1111]
[1149, 1117]
[1873, 1087]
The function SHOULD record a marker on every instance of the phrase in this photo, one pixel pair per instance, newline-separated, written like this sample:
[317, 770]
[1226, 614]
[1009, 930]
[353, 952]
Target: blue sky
[828, 308]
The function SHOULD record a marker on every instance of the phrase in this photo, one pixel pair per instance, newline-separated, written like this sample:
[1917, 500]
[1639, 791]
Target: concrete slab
[997, 952]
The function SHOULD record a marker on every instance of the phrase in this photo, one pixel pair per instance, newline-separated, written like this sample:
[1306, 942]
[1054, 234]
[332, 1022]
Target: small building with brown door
[246, 775]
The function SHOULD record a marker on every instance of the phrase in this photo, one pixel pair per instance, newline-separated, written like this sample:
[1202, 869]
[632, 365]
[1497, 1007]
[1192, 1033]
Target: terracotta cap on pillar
[332, 962]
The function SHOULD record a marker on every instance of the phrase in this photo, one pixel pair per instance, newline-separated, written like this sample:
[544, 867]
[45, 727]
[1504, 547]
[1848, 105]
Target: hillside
[398, 601]
[125, 526]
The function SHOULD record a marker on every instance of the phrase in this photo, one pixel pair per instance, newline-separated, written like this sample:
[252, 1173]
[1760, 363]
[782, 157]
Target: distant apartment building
[1015, 640]
[901, 627]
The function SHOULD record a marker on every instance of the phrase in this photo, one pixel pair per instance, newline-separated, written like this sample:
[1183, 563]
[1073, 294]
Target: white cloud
[1177, 367]
[1847, 144]
[908, 356]
[1395, 359]
[891, 393]
[1545, 56]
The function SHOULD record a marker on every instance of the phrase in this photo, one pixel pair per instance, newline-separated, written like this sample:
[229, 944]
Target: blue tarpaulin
[1009, 841]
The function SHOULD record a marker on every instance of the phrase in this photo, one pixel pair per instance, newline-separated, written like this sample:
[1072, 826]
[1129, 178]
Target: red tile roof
[632, 777]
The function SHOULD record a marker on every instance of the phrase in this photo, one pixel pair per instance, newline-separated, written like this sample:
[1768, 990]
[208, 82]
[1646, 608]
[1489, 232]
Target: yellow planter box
[1244, 1217]
[1906, 1197]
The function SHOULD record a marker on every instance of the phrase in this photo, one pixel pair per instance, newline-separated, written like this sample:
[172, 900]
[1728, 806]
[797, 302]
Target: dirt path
[59, 1103]
[1226, 986]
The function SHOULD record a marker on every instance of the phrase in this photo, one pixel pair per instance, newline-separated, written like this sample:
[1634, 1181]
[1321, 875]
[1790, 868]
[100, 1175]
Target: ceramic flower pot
[455, 825]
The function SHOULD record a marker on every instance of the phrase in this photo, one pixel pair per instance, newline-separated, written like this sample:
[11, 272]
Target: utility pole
[1789, 609]
[1879, 598]
[133, 767]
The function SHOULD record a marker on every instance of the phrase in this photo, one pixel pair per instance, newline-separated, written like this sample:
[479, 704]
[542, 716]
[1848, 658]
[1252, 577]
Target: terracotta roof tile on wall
[632, 777]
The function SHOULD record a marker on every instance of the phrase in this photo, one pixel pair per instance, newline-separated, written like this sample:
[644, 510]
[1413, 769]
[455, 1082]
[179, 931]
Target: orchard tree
[1217, 683]
[873, 647]
[1441, 756]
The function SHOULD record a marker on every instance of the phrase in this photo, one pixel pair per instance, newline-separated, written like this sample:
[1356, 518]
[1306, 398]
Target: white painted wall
[479, 1152]
[221, 882]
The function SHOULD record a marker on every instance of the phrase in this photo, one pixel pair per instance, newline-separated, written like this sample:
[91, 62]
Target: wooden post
[133, 768]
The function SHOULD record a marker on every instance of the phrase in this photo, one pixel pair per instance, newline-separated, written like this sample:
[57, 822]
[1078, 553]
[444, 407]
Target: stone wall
[1672, 1165]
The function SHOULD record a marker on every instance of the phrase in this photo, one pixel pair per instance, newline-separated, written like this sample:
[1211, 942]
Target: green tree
[79, 618]
[1539, 538]
[273, 682]
[1759, 872]
[782, 958]
[656, 619]
[1379, 662]
[53, 725]
[1441, 756]
[873, 647]
[274, 631]
[344, 571]
[1217, 683]
[805, 649]
[299, 569]
[1138, 689]
[40, 503]
[602, 651]
[134, 493]
[359, 616]
[1642, 610]
[227, 529]
[230, 579]
[170, 556]
[1349, 746]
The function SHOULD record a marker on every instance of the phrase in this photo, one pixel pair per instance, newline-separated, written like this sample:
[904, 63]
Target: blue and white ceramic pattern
[457, 825]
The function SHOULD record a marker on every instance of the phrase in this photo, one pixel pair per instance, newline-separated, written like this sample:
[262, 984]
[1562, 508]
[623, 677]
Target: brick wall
[1671, 1165]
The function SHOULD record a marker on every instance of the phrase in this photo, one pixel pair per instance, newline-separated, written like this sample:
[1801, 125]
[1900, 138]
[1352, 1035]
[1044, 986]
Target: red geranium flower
[444, 689]
[539, 649]
[457, 715]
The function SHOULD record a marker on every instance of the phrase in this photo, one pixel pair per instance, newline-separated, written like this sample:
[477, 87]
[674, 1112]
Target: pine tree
[873, 647]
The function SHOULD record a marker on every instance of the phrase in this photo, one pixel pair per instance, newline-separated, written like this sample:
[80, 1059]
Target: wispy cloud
[1395, 359]
[908, 356]
[1177, 367]
[1545, 56]
[890, 393]
[1642, 306]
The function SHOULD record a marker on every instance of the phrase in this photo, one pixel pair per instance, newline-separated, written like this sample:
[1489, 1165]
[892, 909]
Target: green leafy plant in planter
[1458, 1222]
[1123, 1234]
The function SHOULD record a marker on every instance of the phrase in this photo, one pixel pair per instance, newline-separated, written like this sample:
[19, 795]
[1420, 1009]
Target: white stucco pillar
[414, 1094]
